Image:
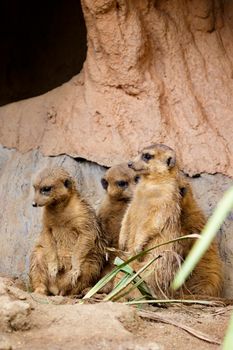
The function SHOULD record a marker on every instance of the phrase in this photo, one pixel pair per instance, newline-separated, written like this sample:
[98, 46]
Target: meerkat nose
[34, 204]
[130, 164]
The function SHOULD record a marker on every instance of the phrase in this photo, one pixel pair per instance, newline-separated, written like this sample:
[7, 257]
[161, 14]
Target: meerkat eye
[45, 190]
[122, 184]
[147, 156]
[136, 179]
[104, 183]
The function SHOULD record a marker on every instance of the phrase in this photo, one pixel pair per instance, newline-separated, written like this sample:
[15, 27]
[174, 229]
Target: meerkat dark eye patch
[104, 183]
[122, 184]
[146, 157]
[68, 183]
[136, 179]
[183, 191]
[171, 161]
[45, 190]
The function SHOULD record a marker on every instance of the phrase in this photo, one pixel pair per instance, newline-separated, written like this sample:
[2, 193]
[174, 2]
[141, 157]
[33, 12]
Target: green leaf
[102, 282]
[228, 340]
[122, 281]
[142, 286]
[115, 291]
[137, 283]
[127, 269]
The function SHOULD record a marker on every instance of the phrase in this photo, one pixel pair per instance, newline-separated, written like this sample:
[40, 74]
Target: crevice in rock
[41, 46]
[195, 176]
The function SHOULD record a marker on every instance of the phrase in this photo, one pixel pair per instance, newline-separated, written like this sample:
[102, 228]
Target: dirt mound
[39, 322]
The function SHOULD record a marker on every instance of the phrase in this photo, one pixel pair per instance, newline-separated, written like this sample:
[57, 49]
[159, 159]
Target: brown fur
[153, 216]
[119, 183]
[206, 278]
[116, 200]
[70, 252]
[178, 214]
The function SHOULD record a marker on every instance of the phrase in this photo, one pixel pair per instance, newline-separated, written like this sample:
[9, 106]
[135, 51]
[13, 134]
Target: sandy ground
[30, 321]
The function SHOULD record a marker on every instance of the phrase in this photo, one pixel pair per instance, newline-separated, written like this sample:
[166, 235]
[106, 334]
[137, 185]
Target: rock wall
[20, 223]
[156, 71]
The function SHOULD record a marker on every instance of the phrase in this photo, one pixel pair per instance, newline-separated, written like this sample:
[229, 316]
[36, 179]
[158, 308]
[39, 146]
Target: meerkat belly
[65, 244]
[137, 225]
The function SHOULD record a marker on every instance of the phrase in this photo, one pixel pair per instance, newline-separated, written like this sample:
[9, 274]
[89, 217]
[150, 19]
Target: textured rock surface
[14, 314]
[156, 71]
[20, 223]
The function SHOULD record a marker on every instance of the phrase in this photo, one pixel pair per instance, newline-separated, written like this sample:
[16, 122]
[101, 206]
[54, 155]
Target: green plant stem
[134, 286]
[142, 285]
[115, 291]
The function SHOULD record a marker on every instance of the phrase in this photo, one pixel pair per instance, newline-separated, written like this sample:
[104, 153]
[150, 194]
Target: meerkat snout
[130, 164]
[34, 204]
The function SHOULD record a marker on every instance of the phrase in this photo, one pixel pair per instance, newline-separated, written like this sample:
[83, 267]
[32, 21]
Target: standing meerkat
[69, 254]
[207, 277]
[153, 216]
[119, 183]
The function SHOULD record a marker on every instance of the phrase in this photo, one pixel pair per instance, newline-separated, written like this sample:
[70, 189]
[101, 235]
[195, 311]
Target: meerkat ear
[183, 191]
[171, 161]
[68, 183]
[104, 183]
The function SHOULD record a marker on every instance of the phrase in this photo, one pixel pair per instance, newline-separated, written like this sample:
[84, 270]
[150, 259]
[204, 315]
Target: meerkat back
[207, 277]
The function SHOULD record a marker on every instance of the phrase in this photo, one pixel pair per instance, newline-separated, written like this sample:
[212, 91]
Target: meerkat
[207, 277]
[119, 183]
[153, 216]
[69, 254]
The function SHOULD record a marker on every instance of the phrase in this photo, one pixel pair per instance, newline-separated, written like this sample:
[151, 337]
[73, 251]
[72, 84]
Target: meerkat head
[52, 186]
[119, 182]
[155, 159]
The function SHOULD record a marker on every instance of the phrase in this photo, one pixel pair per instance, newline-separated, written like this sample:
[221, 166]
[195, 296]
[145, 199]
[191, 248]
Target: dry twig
[159, 318]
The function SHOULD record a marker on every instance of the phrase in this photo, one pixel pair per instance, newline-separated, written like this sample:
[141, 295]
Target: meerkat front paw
[52, 270]
[41, 290]
[74, 276]
[138, 249]
[122, 244]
